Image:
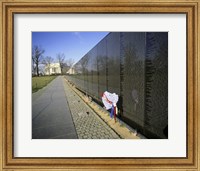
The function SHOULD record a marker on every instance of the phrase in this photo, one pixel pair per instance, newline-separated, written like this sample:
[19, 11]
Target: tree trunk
[61, 70]
[37, 69]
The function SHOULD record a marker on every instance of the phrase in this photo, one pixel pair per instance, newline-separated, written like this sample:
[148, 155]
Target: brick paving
[88, 125]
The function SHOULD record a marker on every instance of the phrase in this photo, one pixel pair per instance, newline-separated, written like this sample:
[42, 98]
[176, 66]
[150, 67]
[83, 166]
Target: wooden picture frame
[10, 7]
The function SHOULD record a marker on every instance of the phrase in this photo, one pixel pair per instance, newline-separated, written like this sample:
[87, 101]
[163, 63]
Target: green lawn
[40, 82]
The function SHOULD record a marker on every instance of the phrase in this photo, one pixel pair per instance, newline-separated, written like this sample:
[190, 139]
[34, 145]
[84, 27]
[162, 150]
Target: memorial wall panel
[156, 118]
[133, 47]
[102, 66]
[113, 62]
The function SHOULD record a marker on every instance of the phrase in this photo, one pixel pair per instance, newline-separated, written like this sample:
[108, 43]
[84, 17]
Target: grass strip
[40, 82]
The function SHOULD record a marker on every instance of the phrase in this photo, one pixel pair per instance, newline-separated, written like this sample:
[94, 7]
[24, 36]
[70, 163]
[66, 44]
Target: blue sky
[73, 44]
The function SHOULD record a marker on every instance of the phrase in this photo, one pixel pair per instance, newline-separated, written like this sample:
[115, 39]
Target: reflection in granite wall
[133, 76]
[93, 73]
[113, 62]
[89, 71]
[156, 106]
[84, 75]
[135, 66]
[102, 66]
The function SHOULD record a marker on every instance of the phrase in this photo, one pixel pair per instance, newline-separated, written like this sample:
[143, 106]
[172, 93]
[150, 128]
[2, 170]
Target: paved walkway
[51, 117]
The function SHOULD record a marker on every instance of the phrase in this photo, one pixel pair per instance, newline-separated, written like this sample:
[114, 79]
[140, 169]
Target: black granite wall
[135, 66]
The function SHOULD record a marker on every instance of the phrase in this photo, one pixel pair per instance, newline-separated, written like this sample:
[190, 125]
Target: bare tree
[47, 61]
[33, 67]
[37, 57]
[69, 62]
[61, 59]
[84, 63]
[67, 65]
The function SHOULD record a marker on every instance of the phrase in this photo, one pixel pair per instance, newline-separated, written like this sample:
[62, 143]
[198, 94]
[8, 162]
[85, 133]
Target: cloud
[78, 35]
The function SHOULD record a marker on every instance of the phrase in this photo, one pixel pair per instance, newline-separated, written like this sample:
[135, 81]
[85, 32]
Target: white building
[53, 68]
[71, 71]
